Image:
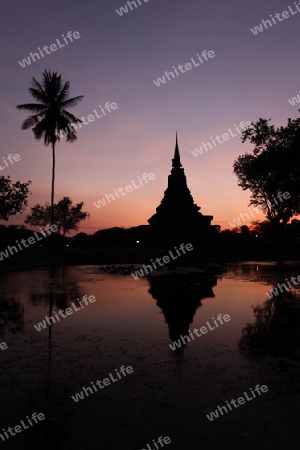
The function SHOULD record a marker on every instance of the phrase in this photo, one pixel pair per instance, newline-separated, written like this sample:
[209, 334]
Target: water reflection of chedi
[179, 295]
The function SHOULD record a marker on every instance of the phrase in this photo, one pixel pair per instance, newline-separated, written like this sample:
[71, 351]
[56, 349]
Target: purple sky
[116, 59]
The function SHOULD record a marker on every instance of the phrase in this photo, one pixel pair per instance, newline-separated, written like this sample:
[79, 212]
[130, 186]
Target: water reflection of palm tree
[11, 316]
[60, 292]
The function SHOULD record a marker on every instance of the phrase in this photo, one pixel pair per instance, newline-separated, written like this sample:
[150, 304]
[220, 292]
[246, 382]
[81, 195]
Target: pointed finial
[176, 160]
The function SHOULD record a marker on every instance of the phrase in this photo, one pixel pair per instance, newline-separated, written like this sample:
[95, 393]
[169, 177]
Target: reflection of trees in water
[58, 292]
[179, 296]
[11, 316]
[270, 274]
[277, 327]
[60, 300]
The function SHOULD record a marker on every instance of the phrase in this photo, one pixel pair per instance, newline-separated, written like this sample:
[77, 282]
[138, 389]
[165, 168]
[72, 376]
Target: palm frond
[40, 129]
[64, 94]
[72, 101]
[52, 84]
[49, 137]
[38, 95]
[71, 117]
[32, 107]
[37, 85]
[64, 124]
[72, 136]
[30, 122]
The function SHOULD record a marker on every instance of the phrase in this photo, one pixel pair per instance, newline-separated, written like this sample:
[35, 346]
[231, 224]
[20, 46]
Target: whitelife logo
[106, 382]
[263, 208]
[18, 428]
[53, 48]
[11, 158]
[215, 414]
[187, 66]
[90, 118]
[160, 441]
[225, 136]
[31, 240]
[144, 270]
[275, 291]
[267, 23]
[3, 346]
[42, 325]
[124, 9]
[146, 177]
[202, 330]
[294, 100]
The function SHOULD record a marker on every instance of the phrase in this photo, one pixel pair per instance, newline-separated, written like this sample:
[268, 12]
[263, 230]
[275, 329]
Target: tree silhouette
[67, 216]
[272, 169]
[272, 174]
[51, 115]
[276, 327]
[13, 197]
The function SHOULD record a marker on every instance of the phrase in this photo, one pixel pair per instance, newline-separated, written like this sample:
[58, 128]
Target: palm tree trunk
[52, 186]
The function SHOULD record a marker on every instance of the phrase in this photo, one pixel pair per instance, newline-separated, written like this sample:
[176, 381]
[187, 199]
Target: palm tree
[50, 115]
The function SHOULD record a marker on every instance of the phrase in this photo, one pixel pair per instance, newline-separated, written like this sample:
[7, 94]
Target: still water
[132, 322]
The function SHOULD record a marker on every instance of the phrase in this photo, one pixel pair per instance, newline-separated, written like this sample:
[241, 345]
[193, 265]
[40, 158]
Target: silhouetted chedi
[178, 215]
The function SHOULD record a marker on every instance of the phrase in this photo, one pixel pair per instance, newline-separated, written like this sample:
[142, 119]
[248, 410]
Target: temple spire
[176, 160]
[177, 215]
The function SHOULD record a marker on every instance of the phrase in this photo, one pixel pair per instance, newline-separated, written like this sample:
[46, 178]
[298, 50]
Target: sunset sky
[115, 59]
